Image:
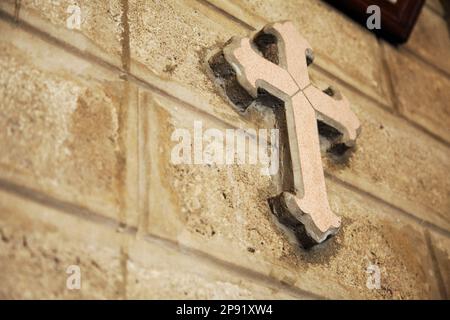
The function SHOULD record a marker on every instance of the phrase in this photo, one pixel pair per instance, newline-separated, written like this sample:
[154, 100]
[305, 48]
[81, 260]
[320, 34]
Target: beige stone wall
[86, 118]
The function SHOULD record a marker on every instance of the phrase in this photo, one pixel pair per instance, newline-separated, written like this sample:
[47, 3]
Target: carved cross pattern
[304, 104]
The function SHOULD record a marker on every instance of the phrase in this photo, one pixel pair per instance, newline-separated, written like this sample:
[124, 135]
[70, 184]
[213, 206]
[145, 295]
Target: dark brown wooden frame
[397, 20]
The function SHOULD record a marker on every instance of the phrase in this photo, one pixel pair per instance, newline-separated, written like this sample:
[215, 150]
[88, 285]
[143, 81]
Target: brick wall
[85, 177]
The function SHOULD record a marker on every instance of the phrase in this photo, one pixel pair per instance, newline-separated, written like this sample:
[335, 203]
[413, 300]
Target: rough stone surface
[101, 28]
[161, 273]
[59, 123]
[38, 244]
[173, 40]
[435, 49]
[421, 92]
[395, 162]
[437, 6]
[350, 53]
[74, 134]
[8, 6]
[441, 249]
[245, 233]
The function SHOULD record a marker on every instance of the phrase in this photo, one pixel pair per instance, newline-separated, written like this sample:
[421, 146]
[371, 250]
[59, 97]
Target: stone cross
[304, 103]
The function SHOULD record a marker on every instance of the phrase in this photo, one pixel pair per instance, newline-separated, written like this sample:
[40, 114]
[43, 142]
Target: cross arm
[253, 71]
